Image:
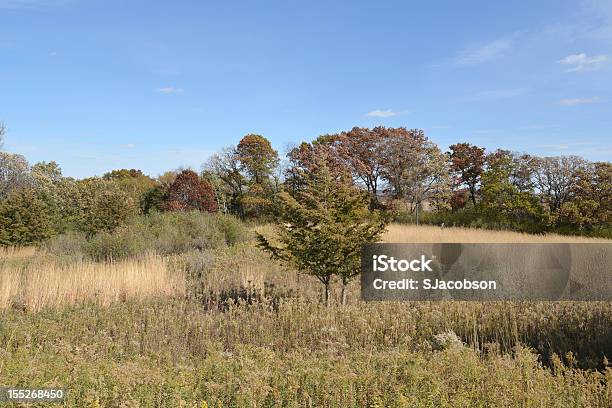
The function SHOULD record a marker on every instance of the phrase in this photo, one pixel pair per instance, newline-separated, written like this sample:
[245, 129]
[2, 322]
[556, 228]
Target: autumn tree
[190, 192]
[555, 179]
[362, 151]
[223, 171]
[467, 163]
[245, 176]
[402, 149]
[14, 173]
[426, 179]
[2, 133]
[321, 229]
[257, 158]
[306, 158]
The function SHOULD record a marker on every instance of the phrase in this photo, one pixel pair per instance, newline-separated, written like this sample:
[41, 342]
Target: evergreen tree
[323, 227]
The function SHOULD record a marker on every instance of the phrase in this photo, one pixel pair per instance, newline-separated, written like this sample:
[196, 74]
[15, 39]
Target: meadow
[222, 325]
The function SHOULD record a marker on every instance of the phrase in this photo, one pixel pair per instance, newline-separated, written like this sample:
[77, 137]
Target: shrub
[70, 244]
[164, 233]
[120, 244]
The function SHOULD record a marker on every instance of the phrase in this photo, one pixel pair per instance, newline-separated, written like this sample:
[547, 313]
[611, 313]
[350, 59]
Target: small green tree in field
[322, 228]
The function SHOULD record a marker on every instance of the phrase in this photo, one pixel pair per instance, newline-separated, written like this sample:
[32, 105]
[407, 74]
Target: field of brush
[227, 327]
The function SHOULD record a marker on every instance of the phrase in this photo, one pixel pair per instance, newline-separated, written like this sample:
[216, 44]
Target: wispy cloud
[170, 90]
[478, 54]
[598, 24]
[495, 94]
[384, 113]
[582, 62]
[579, 101]
[128, 146]
[554, 147]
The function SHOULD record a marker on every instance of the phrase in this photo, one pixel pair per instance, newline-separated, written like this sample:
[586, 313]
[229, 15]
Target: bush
[168, 233]
[109, 246]
[70, 244]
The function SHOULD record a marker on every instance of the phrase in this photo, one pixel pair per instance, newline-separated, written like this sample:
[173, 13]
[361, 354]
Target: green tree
[27, 217]
[503, 204]
[134, 182]
[102, 205]
[322, 229]
[154, 199]
[590, 206]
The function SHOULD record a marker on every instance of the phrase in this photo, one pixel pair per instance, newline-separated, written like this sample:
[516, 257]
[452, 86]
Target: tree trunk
[344, 293]
[327, 293]
[473, 194]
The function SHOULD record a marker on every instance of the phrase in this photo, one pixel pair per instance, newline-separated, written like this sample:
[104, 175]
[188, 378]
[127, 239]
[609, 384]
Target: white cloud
[582, 62]
[384, 113]
[554, 147]
[170, 90]
[475, 55]
[128, 146]
[578, 101]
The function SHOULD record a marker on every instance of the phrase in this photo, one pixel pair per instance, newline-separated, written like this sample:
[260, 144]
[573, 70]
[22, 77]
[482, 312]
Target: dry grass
[46, 283]
[16, 252]
[398, 233]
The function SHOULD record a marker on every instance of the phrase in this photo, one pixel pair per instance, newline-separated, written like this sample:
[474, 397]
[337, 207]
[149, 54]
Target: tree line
[404, 172]
[399, 171]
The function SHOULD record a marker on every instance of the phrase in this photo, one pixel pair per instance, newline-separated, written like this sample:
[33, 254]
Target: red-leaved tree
[190, 192]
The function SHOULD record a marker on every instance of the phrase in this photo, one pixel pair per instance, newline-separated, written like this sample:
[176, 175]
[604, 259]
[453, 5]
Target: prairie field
[427, 233]
[228, 327]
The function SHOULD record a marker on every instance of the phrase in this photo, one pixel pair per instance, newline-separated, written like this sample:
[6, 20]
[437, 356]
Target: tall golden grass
[31, 281]
[45, 282]
[16, 252]
[427, 233]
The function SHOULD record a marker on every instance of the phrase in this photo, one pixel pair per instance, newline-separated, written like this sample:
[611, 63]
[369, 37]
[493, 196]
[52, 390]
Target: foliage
[257, 157]
[154, 199]
[26, 217]
[134, 182]
[102, 206]
[590, 205]
[467, 163]
[506, 206]
[163, 233]
[244, 177]
[189, 192]
[323, 228]
[555, 178]
[2, 133]
[14, 173]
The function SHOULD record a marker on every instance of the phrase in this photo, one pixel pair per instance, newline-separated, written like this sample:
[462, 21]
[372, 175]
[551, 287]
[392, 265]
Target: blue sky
[97, 85]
